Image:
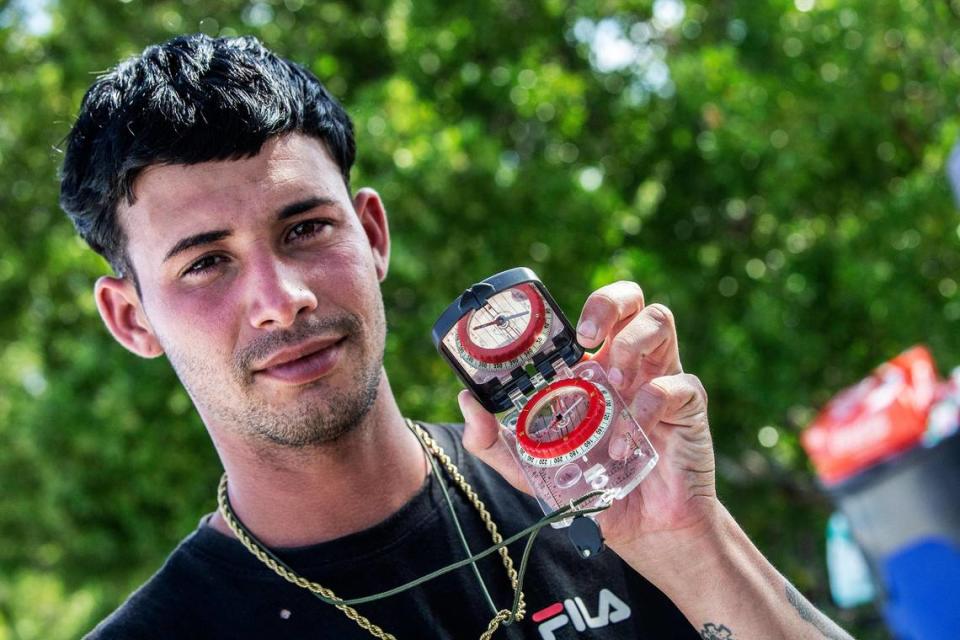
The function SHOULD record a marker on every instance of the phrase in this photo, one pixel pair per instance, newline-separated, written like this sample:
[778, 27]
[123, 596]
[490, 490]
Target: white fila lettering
[610, 610]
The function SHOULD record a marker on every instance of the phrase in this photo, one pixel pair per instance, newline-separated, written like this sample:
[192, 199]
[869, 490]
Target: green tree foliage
[772, 170]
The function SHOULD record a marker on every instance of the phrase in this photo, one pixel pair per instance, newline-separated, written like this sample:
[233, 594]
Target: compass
[511, 344]
[505, 331]
[563, 421]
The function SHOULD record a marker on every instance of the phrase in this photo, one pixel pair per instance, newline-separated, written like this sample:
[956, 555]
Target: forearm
[724, 586]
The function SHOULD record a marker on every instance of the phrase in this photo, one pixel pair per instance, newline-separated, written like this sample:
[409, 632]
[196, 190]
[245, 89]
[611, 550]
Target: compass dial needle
[516, 315]
[563, 416]
[500, 320]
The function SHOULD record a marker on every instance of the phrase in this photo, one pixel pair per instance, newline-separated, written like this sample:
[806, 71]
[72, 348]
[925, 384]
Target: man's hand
[671, 528]
[639, 351]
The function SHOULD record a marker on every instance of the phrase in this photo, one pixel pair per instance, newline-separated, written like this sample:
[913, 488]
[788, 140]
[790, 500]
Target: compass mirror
[502, 333]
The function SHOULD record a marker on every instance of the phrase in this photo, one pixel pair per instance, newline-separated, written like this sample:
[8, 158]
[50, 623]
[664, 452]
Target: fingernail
[615, 376]
[587, 329]
[463, 399]
[618, 450]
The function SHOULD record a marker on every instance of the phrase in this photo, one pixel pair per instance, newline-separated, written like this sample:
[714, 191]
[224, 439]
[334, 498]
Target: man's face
[260, 282]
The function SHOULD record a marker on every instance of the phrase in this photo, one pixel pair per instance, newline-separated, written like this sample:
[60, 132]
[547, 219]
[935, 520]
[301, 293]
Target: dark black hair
[191, 99]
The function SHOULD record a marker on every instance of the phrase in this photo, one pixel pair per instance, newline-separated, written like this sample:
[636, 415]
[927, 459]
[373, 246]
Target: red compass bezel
[587, 427]
[518, 346]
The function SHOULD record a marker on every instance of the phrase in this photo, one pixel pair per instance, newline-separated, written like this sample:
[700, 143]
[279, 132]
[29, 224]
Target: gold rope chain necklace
[433, 449]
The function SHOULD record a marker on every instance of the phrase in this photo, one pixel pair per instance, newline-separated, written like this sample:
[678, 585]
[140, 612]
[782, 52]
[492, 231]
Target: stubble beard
[314, 423]
[323, 417]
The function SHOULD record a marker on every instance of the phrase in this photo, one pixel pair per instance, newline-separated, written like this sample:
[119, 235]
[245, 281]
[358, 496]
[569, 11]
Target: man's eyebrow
[208, 237]
[305, 205]
[189, 242]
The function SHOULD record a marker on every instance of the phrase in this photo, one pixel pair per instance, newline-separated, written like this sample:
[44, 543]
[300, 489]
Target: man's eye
[204, 264]
[307, 229]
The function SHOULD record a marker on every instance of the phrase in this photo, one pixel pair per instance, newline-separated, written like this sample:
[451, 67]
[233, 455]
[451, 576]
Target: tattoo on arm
[827, 627]
[713, 631]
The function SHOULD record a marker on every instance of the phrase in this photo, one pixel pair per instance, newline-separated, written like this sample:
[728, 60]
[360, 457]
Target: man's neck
[297, 498]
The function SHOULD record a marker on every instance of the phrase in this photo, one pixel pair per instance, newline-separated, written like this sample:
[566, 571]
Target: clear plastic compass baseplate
[511, 344]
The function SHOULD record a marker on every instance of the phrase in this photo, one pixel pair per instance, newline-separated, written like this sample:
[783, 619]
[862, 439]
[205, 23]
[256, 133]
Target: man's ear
[122, 312]
[373, 218]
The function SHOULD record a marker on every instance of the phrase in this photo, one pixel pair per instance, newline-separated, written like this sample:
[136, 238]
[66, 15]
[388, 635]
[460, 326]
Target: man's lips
[303, 363]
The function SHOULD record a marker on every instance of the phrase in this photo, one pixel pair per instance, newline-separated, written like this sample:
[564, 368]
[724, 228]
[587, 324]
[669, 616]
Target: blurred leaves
[773, 170]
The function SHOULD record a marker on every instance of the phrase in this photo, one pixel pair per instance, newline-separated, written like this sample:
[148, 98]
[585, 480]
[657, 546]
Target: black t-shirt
[212, 587]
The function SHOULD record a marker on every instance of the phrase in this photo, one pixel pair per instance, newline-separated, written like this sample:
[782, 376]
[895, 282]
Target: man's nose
[278, 294]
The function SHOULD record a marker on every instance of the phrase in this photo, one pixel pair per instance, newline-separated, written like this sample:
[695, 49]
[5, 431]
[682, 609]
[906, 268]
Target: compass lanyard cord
[568, 511]
[471, 559]
[460, 534]
[524, 559]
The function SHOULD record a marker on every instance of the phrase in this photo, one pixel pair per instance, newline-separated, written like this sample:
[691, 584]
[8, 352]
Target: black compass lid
[501, 332]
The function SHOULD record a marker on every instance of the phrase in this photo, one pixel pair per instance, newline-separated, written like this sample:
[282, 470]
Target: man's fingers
[481, 437]
[678, 399]
[644, 349]
[639, 342]
[606, 309]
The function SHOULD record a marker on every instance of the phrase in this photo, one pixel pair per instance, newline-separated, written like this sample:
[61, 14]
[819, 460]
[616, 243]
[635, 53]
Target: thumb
[481, 431]
[481, 437]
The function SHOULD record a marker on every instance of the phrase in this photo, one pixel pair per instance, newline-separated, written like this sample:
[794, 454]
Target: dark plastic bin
[905, 515]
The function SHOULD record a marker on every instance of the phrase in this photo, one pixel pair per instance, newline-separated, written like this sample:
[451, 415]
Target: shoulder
[450, 438]
[150, 612]
[162, 606]
[448, 435]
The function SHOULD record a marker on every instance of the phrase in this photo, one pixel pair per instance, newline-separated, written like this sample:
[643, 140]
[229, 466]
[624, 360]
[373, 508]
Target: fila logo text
[610, 610]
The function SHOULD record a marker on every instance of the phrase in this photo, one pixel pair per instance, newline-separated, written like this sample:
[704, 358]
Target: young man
[214, 177]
